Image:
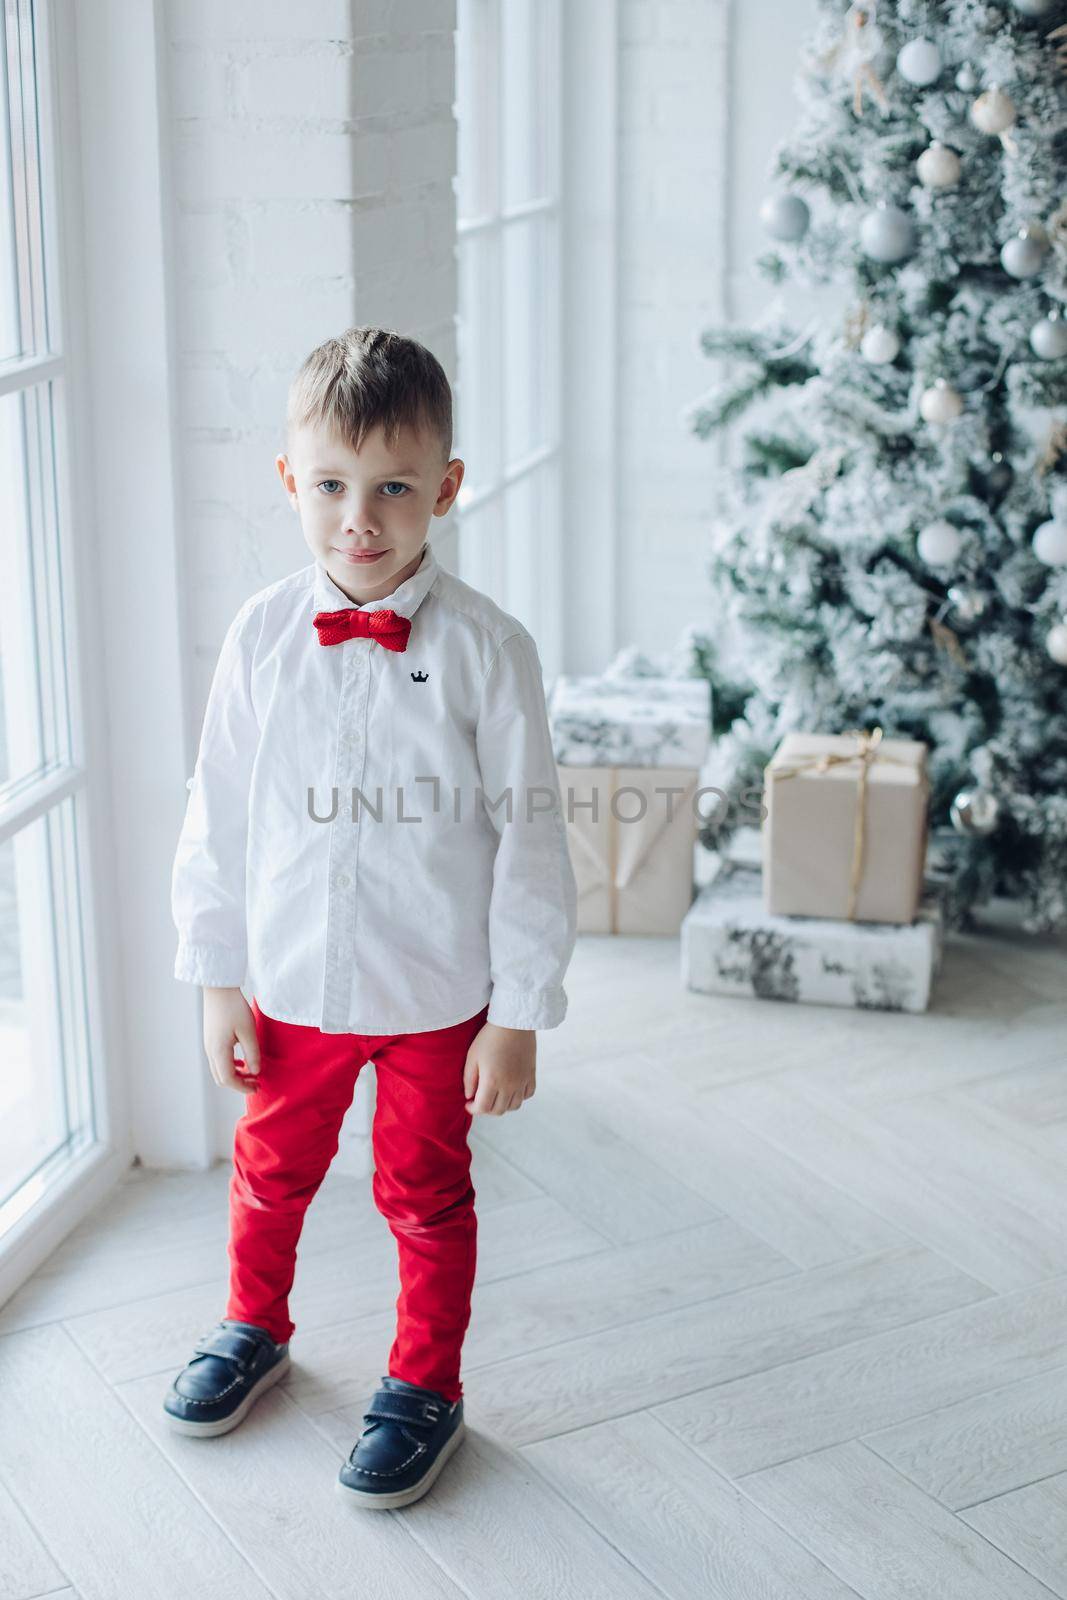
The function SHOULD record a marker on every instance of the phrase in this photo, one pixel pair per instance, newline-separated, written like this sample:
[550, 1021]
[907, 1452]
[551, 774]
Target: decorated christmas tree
[891, 548]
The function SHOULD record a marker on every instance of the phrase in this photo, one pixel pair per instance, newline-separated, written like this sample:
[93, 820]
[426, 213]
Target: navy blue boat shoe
[232, 1367]
[410, 1434]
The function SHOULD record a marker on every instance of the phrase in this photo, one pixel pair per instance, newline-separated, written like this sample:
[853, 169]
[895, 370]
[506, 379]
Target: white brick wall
[312, 146]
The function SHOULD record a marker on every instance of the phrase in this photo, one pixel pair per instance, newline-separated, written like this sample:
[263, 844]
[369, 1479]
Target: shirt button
[342, 880]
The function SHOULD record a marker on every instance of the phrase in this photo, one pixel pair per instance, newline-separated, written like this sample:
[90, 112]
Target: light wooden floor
[772, 1305]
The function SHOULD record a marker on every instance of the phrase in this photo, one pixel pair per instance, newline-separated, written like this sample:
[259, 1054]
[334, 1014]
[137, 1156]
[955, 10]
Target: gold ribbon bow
[867, 753]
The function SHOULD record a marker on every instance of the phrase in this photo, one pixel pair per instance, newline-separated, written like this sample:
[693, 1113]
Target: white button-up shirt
[374, 839]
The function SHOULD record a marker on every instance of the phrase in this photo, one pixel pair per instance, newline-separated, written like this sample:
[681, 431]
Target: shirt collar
[404, 600]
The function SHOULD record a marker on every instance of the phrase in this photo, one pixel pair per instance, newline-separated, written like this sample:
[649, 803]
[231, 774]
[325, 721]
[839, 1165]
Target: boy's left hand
[500, 1072]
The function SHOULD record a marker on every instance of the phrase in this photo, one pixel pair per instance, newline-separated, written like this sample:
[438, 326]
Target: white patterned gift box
[619, 739]
[731, 945]
[618, 721]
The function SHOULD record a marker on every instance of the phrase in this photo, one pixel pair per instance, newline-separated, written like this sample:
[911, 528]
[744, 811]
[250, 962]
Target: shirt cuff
[213, 966]
[527, 1008]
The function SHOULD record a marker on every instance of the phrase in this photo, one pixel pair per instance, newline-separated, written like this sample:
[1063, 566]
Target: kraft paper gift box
[634, 876]
[845, 829]
[630, 721]
[731, 945]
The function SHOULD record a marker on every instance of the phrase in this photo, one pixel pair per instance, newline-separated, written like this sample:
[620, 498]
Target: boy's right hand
[228, 1020]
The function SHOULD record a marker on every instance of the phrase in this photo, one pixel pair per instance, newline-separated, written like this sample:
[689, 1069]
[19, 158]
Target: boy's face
[378, 500]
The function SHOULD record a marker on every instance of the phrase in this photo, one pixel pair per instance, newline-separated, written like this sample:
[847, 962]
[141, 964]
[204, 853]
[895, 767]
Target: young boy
[374, 838]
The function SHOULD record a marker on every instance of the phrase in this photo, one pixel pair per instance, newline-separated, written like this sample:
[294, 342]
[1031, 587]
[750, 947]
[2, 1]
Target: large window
[508, 393]
[46, 1110]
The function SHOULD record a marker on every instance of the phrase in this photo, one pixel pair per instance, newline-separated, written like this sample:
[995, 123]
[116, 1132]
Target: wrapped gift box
[845, 836]
[631, 833]
[630, 721]
[732, 945]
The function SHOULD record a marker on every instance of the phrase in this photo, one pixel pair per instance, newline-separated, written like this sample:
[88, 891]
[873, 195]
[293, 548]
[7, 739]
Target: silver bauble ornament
[1001, 474]
[968, 604]
[1048, 338]
[975, 812]
[939, 543]
[1050, 543]
[1024, 255]
[993, 111]
[785, 217]
[1033, 8]
[880, 345]
[966, 78]
[919, 61]
[940, 403]
[887, 234]
[1056, 643]
[938, 167]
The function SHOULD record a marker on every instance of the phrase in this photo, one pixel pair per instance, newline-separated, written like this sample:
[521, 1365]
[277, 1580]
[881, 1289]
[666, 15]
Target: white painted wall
[705, 93]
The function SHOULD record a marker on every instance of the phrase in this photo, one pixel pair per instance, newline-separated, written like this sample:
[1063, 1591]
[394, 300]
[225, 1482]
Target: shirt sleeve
[208, 875]
[533, 905]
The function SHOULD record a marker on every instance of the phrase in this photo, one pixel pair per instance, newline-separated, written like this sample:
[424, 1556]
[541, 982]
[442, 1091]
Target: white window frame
[62, 793]
[571, 607]
[521, 569]
[121, 556]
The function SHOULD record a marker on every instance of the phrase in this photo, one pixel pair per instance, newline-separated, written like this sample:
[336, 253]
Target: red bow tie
[388, 627]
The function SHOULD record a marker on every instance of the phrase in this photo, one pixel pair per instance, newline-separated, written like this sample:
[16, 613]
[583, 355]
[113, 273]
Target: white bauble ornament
[1048, 338]
[880, 345]
[975, 812]
[966, 78]
[1033, 8]
[939, 543]
[938, 167]
[1050, 543]
[785, 216]
[940, 403]
[993, 111]
[919, 61]
[1024, 255]
[887, 234]
[1056, 643]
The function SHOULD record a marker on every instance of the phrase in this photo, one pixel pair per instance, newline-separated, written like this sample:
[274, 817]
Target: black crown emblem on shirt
[419, 677]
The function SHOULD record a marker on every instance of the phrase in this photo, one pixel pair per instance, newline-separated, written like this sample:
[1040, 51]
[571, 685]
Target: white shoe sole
[415, 1491]
[209, 1430]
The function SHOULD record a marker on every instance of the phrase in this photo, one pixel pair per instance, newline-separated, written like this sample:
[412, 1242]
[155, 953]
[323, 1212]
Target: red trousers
[284, 1143]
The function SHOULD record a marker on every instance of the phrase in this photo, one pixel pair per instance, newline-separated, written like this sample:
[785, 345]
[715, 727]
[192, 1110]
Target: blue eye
[395, 485]
[335, 481]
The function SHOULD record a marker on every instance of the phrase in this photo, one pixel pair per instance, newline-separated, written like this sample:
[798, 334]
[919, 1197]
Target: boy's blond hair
[368, 376]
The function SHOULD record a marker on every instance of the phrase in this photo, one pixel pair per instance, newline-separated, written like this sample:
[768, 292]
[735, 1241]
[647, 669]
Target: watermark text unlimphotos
[625, 802]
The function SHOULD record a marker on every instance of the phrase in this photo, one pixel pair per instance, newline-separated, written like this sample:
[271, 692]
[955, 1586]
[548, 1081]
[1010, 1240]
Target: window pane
[523, 345]
[478, 418]
[527, 544]
[34, 727]
[23, 326]
[476, 85]
[45, 1103]
[527, 98]
[10, 339]
[481, 547]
